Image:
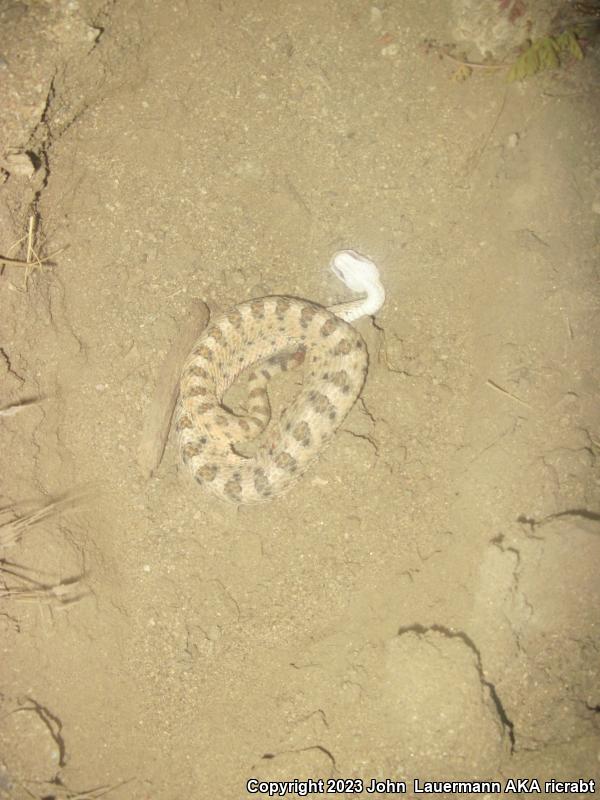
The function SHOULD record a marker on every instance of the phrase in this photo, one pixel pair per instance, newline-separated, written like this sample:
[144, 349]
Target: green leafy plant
[544, 54]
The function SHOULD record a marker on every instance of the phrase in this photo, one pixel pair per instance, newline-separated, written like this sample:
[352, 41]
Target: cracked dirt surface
[425, 602]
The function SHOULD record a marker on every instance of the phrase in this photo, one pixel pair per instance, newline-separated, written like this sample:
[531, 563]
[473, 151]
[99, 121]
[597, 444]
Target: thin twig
[498, 388]
[30, 238]
[155, 431]
[14, 408]
[477, 155]
[18, 262]
[62, 593]
[463, 62]
[32, 260]
[12, 530]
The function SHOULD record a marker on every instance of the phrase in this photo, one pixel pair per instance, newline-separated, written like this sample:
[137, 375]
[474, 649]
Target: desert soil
[425, 602]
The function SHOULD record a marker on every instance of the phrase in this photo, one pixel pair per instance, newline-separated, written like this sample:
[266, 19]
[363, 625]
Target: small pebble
[376, 18]
[92, 34]
[513, 140]
[213, 633]
[20, 164]
[390, 50]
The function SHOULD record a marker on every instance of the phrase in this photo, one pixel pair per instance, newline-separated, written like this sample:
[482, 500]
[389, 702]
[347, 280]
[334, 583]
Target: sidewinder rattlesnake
[270, 335]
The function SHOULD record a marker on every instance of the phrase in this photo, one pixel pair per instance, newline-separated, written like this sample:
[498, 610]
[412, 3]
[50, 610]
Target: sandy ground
[425, 602]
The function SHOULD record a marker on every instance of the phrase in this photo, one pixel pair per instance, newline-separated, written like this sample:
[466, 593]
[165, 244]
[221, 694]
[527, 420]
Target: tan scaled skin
[269, 335]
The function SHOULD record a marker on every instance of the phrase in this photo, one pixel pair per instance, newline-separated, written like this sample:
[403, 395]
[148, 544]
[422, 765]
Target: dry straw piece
[32, 260]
